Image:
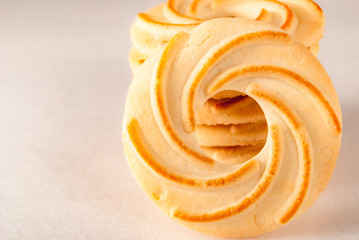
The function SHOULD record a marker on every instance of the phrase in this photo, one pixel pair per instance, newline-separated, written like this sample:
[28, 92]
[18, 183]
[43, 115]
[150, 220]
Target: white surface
[63, 81]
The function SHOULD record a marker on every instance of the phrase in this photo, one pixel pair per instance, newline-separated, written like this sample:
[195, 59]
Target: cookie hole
[231, 127]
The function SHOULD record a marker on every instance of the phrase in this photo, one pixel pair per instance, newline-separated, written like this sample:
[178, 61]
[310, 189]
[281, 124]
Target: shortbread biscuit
[231, 135]
[237, 110]
[302, 19]
[270, 185]
[233, 154]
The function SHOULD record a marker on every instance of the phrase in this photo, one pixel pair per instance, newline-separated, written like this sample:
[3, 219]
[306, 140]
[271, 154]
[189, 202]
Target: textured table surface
[63, 81]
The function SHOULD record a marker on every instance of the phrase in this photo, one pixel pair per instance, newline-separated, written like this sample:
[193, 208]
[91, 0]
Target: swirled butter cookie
[233, 129]
[153, 29]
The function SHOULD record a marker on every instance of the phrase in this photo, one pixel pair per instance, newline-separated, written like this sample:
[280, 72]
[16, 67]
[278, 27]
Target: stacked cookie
[231, 125]
[302, 19]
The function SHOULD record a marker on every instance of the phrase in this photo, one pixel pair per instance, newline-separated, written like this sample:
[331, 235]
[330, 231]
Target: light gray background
[63, 80]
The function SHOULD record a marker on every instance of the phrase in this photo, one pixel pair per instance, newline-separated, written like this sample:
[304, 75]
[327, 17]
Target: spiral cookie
[168, 116]
[302, 19]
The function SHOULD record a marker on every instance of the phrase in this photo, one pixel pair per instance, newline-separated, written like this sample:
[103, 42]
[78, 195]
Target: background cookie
[302, 19]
